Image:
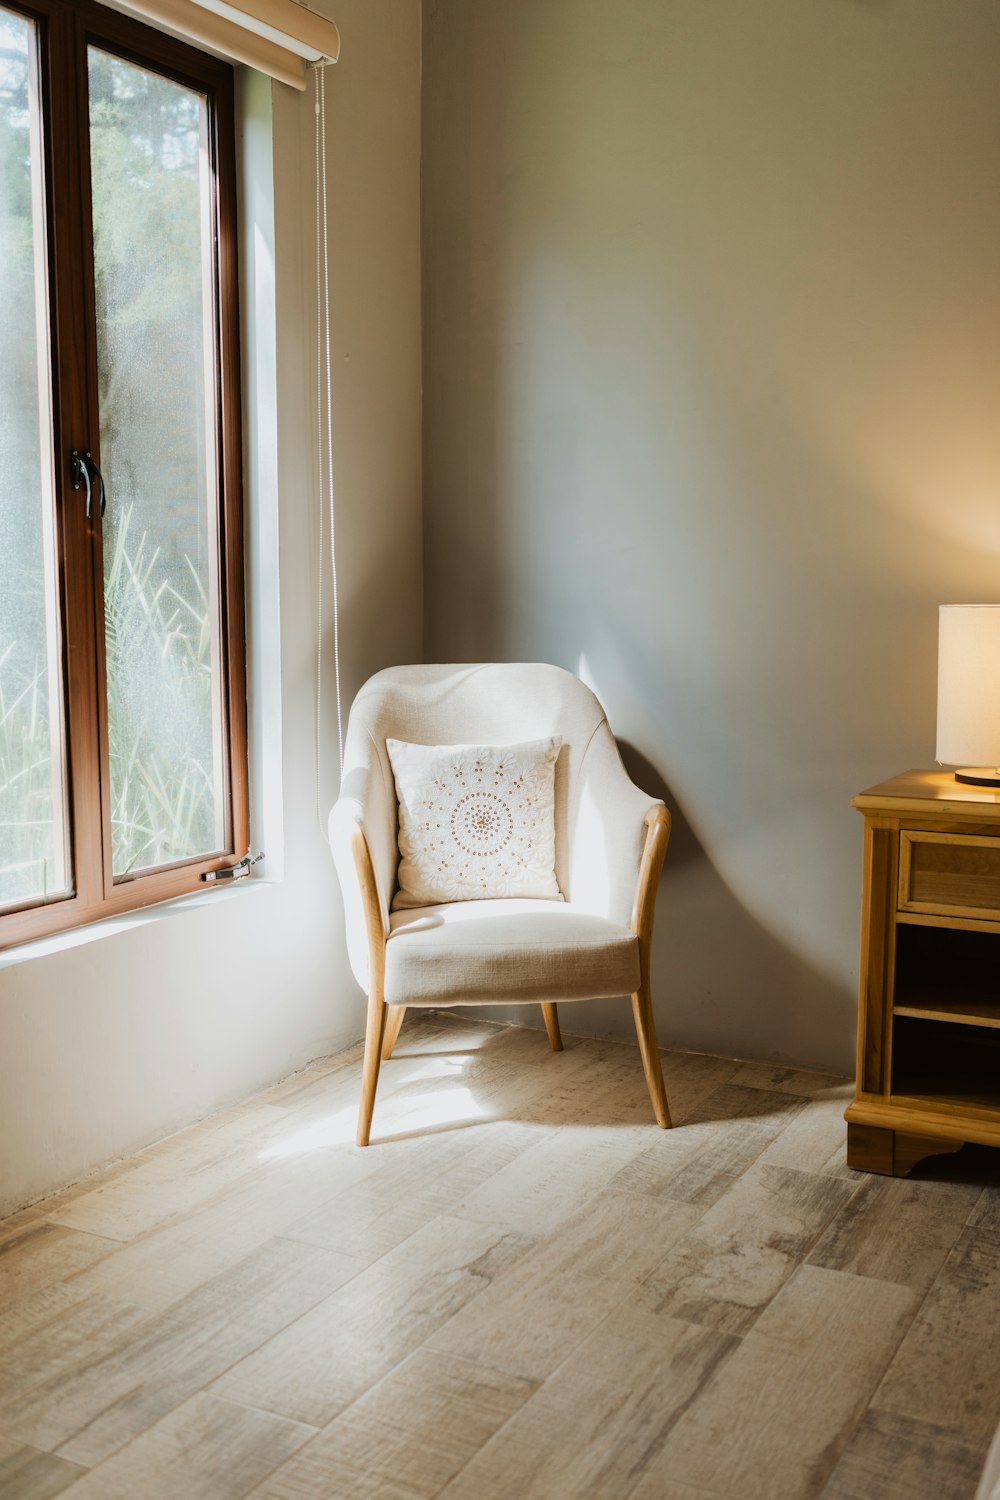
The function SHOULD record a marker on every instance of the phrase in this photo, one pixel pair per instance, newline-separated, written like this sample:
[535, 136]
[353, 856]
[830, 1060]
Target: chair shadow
[603, 1113]
[972, 1165]
[524, 1111]
[717, 967]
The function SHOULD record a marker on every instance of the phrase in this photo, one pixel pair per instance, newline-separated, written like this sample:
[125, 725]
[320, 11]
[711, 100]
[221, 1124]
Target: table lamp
[968, 699]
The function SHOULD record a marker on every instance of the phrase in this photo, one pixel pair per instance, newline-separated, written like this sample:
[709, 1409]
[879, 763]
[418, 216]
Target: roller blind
[275, 36]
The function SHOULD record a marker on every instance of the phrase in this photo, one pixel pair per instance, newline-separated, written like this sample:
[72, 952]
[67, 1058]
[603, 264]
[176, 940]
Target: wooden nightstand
[928, 1076]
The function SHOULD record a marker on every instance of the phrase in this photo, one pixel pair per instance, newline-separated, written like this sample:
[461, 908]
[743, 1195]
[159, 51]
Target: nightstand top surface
[921, 790]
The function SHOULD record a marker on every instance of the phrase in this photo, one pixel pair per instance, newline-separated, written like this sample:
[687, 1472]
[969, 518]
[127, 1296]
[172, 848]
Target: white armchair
[611, 839]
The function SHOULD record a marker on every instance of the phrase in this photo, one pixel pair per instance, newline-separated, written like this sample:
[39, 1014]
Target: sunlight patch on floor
[439, 1100]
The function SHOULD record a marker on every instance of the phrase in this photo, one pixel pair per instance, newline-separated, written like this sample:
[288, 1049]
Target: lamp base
[979, 775]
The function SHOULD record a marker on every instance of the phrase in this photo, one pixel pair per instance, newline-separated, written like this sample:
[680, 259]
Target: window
[122, 666]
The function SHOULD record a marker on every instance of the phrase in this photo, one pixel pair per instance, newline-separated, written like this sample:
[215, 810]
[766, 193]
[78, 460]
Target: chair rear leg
[374, 1033]
[642, 1010]
[393, 1022]
[551, 1018]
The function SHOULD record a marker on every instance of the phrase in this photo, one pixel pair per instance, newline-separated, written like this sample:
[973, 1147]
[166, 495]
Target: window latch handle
[234, 872]
[85, 472]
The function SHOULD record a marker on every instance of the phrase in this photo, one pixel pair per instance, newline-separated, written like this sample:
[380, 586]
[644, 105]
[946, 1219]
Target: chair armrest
[366, 929]
[362, 831]
[654, 849]
[619, 840]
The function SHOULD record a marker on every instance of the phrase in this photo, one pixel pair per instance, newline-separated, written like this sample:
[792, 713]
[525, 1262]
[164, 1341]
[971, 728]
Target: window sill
[77, 937]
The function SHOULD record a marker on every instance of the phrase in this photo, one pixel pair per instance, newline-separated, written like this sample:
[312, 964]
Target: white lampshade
[968, 700]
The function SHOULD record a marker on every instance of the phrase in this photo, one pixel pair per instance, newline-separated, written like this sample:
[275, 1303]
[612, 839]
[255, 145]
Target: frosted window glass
[34, 863]
[156, 355]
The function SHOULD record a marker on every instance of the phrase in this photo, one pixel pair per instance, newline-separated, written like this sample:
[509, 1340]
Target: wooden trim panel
[982, 1127]
[878, 945]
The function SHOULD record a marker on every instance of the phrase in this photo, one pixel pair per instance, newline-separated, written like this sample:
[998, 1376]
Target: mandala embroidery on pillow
[475, 821]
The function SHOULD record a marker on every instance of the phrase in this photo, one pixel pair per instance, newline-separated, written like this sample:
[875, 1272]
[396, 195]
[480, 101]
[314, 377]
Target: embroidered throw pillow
[475, 821]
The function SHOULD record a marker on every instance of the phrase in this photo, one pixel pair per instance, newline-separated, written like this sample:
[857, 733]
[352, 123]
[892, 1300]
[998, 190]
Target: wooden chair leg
[642, 1010]
[551, 1018]
[393, 1022]
[374, 1033]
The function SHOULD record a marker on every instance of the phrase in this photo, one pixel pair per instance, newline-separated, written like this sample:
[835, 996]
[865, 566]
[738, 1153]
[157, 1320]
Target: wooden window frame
[65, 28]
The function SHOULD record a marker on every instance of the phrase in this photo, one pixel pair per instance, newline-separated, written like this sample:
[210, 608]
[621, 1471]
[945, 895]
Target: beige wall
[110, 1043]
[712, 383]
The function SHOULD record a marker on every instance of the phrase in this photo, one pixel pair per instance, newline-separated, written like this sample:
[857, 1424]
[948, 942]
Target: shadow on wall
[716, 967]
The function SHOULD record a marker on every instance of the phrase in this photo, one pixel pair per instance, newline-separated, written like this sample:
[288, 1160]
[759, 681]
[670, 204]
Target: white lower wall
[115, 1040]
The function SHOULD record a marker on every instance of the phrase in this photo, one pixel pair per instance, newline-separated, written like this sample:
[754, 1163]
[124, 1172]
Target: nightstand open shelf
[946, 1063]
[947, 974]
[929, 1013]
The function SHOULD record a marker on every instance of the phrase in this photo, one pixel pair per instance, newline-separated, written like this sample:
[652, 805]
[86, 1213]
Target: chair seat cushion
[484, 952]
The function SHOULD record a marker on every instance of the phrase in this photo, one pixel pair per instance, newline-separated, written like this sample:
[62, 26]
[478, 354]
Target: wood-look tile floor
[523, 1289]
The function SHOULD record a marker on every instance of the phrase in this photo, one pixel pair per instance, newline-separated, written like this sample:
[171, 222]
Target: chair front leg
[393, 1022]
[654, 850]
[551, 1018]
[642, 1010]
[374, 1034]
[376, 1024]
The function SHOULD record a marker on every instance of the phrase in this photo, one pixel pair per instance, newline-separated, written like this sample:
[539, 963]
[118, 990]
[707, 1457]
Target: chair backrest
[488, 704]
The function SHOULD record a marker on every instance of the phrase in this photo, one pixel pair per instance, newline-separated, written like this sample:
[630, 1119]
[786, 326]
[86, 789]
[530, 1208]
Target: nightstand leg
[869, 1148]
[909, 1149]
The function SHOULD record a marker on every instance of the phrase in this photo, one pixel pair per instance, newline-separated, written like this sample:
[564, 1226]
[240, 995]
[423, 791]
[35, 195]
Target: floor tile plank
[947, 1370]
[208, 1449]
[692, 1077]
[725, 1271]
[986, 1212]
[593, 1427]
[772, 1423]
[896, 1230]
[534, 1314]
[353, 1338]
[375, 1214]
[172, 1178]
[813, 1139]
[545, 1183]
[157, 1268]
[87, 1406]
[87, 1328]
[43, 1253]
[728, 1131]
[26, 1314]
[413, 1432]
[28, 1474]
[799, 1081]
[897, 1458]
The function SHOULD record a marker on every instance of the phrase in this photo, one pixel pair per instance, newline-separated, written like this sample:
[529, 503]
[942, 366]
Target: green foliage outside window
[149, 230]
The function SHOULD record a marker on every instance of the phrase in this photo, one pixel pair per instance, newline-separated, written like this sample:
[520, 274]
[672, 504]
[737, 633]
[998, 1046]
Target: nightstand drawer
[949, 875]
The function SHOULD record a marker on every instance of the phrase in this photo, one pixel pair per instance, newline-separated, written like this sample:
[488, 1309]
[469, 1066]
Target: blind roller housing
[277, 37]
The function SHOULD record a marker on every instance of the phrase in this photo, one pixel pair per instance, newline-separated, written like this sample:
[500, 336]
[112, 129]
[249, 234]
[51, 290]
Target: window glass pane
[34, 864]
[151, 184]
